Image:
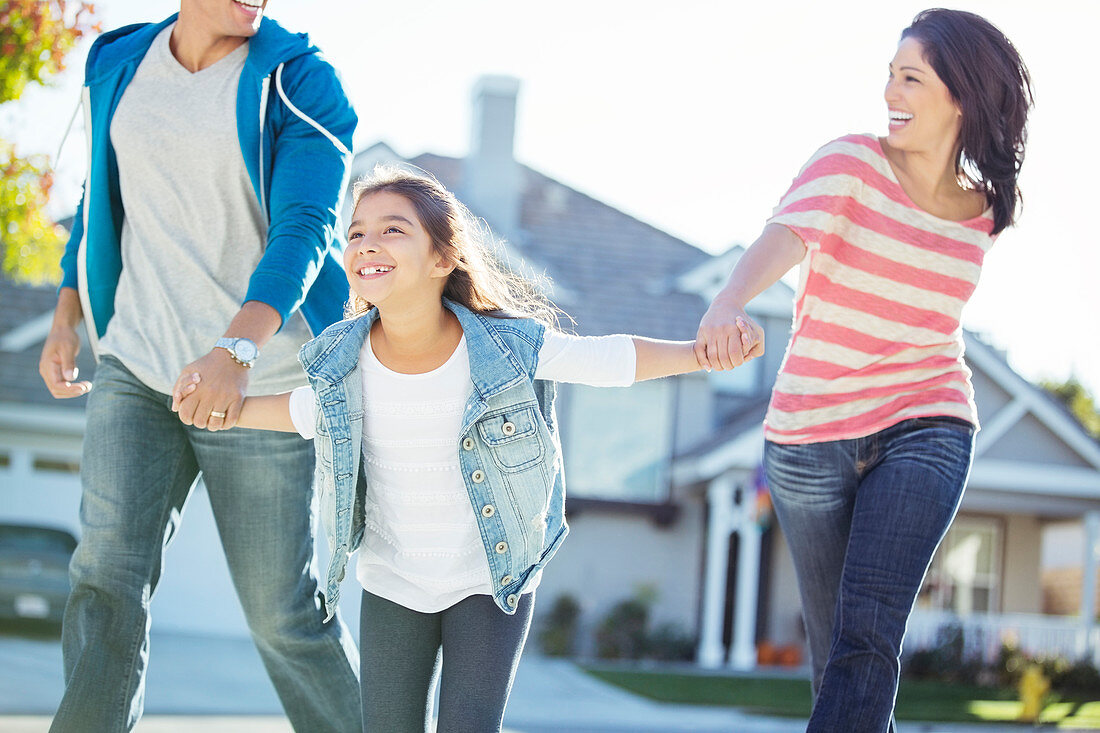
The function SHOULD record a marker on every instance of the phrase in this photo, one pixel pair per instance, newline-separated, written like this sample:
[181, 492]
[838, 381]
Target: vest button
[506, 580]
[488, 510]
[508, 428]
[513, 599]
[501, 548]
[468, 444]
[478, 476]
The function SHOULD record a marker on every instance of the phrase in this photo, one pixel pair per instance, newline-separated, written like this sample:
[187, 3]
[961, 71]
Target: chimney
[491, 179]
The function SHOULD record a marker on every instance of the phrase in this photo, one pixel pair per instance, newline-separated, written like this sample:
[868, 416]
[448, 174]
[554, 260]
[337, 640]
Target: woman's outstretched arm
[719, 343]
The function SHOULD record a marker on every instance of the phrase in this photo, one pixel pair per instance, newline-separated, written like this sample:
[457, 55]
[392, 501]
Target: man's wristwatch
[243, 351]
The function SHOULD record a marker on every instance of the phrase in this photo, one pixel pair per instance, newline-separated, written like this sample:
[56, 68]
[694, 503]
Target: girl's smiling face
[923, 115]
[390, 257]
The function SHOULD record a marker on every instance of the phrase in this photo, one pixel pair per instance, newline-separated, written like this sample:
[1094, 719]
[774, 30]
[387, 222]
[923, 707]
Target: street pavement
[218, 685]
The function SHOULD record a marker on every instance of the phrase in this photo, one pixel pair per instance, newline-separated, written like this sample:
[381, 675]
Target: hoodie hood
[272, 45]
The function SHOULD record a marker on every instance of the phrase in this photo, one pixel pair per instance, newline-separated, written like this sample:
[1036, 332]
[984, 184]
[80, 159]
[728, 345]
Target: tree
[35, 37]
[1078, 401]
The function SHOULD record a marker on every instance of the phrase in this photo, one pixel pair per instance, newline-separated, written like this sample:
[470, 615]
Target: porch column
[720, 504]
[1088, 584]
[743, 649]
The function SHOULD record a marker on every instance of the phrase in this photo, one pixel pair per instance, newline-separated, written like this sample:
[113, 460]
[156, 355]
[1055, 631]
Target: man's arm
[308, 177]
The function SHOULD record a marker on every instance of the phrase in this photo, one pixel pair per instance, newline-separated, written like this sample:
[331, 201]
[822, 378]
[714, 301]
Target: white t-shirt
[421, 546]
[194, 230]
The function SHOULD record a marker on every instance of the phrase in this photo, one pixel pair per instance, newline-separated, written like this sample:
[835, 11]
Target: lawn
[917, 700]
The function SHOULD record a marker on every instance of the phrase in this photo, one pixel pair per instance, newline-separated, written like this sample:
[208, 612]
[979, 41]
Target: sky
[694, 116]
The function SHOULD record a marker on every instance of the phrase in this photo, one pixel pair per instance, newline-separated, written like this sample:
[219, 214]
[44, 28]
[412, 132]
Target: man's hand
[214, 400]
[209, 392]
[57, 365]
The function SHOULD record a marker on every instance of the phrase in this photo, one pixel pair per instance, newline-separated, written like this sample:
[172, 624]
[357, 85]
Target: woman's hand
[727, 337]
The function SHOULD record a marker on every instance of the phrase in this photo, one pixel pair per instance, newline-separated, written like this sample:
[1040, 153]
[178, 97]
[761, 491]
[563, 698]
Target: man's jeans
[139, 466]
[863, 518]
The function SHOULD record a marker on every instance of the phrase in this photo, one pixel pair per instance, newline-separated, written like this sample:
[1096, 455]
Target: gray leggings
[399, 649]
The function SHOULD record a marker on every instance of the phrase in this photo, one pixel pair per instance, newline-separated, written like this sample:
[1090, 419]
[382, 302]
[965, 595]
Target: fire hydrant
[1033, 687]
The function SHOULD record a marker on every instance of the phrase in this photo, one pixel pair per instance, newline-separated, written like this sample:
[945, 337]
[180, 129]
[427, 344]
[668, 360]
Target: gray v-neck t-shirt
[194, 230]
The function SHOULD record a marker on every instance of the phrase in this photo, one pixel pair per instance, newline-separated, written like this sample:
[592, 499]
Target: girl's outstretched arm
[267, 412]
[263, 412]
[655, 358]
[619, 360]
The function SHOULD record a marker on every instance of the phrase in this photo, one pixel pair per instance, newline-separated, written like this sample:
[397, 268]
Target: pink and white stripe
[876, 336]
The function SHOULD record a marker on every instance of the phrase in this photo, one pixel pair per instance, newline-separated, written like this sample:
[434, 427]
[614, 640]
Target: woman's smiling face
[923, 115]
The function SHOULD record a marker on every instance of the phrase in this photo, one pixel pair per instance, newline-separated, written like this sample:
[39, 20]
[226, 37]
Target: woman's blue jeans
[862, 518]
[139, 465]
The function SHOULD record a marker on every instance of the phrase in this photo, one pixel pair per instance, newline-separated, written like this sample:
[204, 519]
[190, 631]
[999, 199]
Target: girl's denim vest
[508, 447]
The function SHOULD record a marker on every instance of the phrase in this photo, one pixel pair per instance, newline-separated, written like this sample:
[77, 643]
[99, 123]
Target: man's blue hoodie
[295, 128]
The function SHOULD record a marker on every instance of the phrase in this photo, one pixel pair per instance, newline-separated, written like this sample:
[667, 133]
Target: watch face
[245, 350]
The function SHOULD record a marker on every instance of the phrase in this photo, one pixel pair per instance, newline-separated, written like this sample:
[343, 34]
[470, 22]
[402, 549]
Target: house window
[965, 574]
[57, 465]
[617, 441]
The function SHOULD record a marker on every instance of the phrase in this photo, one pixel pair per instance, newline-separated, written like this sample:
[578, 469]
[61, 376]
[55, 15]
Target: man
[219, 151]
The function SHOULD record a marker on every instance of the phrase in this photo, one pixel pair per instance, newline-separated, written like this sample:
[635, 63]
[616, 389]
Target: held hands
[727, 337]
[213, 400]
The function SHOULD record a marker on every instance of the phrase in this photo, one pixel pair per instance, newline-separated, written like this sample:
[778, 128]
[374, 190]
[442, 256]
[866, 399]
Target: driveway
[218, 685]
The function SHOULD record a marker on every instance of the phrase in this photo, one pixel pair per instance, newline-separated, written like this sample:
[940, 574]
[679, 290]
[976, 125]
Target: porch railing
[982, 634]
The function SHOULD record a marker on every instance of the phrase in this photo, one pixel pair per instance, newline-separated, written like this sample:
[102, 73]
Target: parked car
[34, 572]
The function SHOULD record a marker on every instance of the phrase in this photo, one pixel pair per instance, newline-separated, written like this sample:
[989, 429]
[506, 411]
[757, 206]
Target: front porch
[983, 634]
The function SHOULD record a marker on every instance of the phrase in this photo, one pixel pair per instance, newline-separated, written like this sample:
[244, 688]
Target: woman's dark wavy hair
[990, 83]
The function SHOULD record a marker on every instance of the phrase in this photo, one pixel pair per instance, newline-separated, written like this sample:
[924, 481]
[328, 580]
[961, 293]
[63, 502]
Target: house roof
[25, 316]
[611, 272]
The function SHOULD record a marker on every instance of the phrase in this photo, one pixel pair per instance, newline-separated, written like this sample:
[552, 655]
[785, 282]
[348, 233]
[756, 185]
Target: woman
[869, 434]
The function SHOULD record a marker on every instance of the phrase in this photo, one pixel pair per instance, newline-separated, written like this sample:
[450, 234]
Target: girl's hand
[185, 385]
[727, 337]
[216, 401]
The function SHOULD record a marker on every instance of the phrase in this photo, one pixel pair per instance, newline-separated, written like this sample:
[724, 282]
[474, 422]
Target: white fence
[983, 634]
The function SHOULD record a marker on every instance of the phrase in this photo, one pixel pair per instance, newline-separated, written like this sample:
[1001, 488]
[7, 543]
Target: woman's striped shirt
[876, 336]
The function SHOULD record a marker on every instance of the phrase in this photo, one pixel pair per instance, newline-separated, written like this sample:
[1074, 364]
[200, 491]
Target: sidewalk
[218, 685]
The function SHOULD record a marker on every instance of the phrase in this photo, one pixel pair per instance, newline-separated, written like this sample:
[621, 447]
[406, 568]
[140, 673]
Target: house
[663, 495]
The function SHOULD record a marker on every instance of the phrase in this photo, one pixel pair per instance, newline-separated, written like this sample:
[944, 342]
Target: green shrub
[670, 643]
[622, 633]
[1078, 678]
[558, 635]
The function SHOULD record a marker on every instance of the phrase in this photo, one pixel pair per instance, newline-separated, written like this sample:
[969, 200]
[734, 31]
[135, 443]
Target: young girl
[437, 449]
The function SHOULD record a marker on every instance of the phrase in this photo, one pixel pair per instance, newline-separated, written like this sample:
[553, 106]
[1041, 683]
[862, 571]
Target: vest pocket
[513, 439]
